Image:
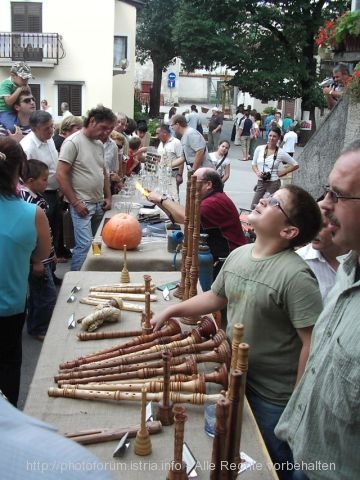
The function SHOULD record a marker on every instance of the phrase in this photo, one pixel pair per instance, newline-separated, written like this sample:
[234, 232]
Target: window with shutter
[26, 17]
[35, 90]
[71, 94]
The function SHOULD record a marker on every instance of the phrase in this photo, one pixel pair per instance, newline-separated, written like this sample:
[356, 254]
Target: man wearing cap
[10, 89]
[215, 125]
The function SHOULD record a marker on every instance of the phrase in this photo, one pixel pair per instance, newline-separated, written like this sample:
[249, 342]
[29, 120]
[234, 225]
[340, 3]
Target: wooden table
[151, 255]
[71, 415]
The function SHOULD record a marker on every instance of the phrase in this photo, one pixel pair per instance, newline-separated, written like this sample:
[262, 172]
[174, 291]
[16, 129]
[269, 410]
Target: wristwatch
[164, 197]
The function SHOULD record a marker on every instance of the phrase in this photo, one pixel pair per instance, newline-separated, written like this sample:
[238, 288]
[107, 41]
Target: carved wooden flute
[176, 397]
[189, 367]
[123, 288]
[197, 385]
[219, 376]
[218, 355]
[206, 329]
[87, 437]
[136, 297]
[216, 352]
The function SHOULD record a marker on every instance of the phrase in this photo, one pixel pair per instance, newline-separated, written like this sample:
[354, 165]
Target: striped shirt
[36, 198]
[4, 132]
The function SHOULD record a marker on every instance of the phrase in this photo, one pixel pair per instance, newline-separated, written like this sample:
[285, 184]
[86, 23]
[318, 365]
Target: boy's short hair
[24, 93]
[33, 169]
[134, 143]
[304, 213]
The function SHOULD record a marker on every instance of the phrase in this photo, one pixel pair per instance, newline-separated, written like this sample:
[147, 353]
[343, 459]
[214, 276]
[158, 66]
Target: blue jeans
[41, 302]
[8, 119]
[267, 416]
[84, 231]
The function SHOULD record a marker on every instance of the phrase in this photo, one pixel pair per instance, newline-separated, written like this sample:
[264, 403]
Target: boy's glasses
[274, 202]
[27, 100]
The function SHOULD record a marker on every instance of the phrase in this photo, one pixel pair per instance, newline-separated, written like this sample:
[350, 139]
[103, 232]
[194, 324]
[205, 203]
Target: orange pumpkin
[122, 229]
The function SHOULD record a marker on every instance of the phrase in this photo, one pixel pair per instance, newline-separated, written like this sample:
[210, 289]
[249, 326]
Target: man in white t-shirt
[288, 144]
[289, 141]
[170, 150]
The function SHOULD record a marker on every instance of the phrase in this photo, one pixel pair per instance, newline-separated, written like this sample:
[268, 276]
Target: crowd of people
[296, 297]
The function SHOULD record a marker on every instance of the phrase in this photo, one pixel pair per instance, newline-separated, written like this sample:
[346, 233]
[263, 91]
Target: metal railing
[30, 47]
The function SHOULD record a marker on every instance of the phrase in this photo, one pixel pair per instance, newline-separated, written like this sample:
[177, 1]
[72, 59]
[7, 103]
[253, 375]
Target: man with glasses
[219, 217]
[24, 106]
[322, 420]
[273, 292]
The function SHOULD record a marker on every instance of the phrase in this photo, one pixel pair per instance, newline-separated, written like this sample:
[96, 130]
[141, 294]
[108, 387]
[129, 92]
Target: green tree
[269, 45]
[154, 41]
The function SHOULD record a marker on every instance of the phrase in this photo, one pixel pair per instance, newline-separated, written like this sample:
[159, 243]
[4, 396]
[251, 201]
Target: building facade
[80, 52]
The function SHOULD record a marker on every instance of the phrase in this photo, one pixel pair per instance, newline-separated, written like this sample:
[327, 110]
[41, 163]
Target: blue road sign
[171, 76]
[171, 83]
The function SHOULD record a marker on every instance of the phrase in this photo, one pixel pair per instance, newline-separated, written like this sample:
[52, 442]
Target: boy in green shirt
[268, 288]
[10, 89]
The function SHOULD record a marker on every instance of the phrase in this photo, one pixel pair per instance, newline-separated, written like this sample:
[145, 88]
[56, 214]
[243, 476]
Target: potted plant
[325, 40]
[347, 30]
[353, 88]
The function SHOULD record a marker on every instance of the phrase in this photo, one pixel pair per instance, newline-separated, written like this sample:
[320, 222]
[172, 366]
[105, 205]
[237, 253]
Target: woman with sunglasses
[268, 166]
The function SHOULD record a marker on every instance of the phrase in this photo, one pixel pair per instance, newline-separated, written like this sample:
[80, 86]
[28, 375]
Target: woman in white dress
[220, 160]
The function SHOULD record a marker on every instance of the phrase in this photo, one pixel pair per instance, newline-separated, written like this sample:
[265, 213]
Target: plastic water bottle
[206, 264]
[174, 237]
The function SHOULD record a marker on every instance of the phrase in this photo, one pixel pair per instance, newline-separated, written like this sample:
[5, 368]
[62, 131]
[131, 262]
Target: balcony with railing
[44, 49]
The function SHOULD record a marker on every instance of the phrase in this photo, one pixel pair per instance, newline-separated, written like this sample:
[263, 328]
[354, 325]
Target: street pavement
[239, 188]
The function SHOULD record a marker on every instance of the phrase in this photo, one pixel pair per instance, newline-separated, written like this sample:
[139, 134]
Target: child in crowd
[135, 154]
[116, 177]
[10, 89]
[42, 290]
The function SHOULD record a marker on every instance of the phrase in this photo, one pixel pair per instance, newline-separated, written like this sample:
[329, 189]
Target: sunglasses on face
[28, 100]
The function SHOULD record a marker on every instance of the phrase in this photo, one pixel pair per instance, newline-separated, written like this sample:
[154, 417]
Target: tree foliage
[269, 45]
[154, 41]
